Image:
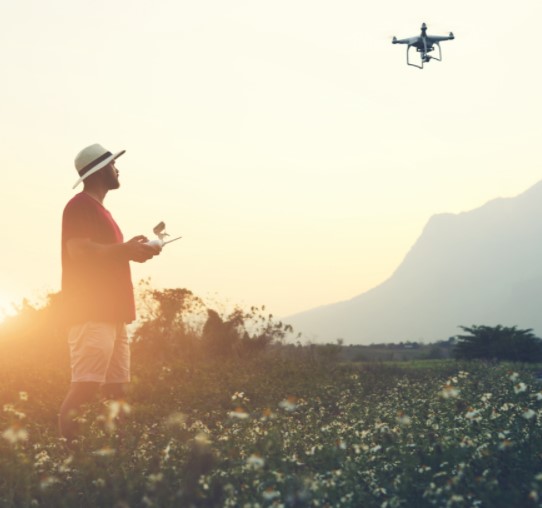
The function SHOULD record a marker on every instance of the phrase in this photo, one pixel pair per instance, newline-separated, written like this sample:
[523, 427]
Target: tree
[221, 337]
[175, 322]
[169, 324]
[498, 343]
[242, 333]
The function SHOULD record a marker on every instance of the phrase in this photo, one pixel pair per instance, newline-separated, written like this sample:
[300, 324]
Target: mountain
[480, 267]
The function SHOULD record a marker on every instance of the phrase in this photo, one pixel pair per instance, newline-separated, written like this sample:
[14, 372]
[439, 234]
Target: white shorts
[99, 352]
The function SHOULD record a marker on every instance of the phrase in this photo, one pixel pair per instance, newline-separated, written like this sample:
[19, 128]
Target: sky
[288, 142]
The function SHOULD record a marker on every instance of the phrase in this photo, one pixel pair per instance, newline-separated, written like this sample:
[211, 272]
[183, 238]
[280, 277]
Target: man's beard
[111, 181]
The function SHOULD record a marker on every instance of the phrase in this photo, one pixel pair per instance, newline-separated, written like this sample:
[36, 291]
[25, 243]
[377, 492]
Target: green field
[282, 428]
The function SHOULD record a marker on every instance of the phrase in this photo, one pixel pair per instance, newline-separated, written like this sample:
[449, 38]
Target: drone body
[424, 44]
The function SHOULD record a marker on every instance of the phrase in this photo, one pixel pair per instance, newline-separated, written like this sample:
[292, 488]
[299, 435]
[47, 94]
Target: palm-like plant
[498, 343]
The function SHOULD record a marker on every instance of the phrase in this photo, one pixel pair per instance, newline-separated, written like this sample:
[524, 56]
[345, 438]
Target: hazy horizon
[289, 144]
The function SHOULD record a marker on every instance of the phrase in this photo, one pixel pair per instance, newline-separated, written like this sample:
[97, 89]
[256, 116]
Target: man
[97, 291]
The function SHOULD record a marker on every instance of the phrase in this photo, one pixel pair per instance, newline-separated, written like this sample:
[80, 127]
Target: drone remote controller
[160, 231]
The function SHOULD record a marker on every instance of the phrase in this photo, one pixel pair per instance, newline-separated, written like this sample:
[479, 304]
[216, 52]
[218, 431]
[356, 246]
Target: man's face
[111, 176]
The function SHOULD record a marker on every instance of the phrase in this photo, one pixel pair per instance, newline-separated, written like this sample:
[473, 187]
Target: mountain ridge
[475, 267]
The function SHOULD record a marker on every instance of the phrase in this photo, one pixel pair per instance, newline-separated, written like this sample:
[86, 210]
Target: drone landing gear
[425, 58]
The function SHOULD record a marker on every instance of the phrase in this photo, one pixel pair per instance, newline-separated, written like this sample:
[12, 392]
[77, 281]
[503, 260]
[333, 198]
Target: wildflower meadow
[277, 431]
[279, 427]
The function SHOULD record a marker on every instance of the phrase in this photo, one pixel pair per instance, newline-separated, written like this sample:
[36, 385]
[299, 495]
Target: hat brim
[98, 167]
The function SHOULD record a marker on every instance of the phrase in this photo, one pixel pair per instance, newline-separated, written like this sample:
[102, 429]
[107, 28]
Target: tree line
[175, 322]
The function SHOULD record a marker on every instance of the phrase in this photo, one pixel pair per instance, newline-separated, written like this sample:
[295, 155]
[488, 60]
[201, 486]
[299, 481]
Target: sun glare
[6, 307]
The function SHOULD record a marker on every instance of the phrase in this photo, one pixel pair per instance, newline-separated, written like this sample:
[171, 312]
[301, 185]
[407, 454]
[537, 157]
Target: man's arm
[133, 250]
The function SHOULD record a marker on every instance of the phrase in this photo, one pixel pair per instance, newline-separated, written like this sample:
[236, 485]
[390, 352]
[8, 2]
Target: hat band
[95, 162]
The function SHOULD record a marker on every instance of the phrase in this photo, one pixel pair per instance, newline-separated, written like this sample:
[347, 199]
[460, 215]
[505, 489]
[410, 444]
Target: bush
[175, 322]
[498, 343]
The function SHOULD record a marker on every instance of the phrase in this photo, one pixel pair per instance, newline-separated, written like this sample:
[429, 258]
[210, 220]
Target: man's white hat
[92, 159]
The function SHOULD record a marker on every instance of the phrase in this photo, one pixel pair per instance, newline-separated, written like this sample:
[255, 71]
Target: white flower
[175, 419]
[270, 493]
[47, 482]
[528, 414]
[520, 387]
[202, 439]
[449, 392]
[154, 478]
[514, 376]
[104, 452]
[289, 404]
[10, 408]
[466, 442]
[117, 407]
[41, 459]
[341, 444]
[239, 413]
[14, 434]
[255, 461]
[65, 466]
[473, 415]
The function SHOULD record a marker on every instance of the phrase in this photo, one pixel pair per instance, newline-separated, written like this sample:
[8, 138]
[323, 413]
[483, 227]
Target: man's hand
[140, 252]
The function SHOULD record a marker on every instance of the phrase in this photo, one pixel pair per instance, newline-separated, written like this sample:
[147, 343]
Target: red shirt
[94, 289]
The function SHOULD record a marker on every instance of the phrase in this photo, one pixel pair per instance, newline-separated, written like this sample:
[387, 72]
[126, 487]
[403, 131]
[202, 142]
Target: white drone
[159, 231]
[424, 44]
